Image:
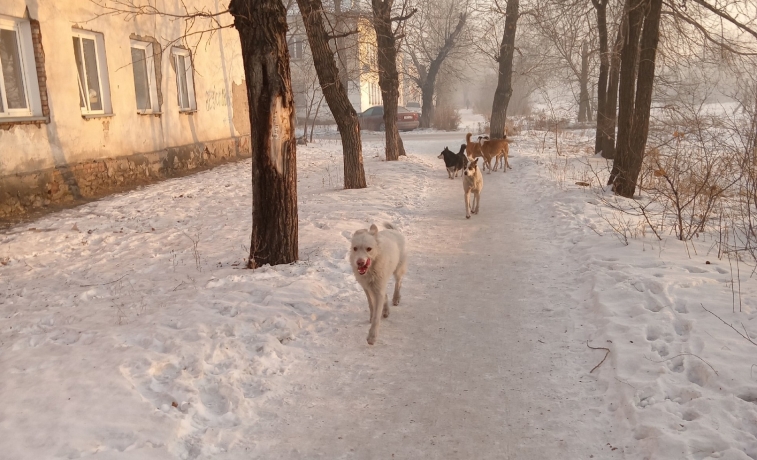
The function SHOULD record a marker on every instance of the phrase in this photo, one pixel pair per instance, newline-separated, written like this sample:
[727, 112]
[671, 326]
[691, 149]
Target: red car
[373, 119]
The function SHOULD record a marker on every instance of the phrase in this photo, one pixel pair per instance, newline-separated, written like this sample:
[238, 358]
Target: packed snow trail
[478, 361]
[129, 330]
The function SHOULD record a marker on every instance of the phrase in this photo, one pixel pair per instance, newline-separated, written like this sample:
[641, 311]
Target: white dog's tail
[389, 226]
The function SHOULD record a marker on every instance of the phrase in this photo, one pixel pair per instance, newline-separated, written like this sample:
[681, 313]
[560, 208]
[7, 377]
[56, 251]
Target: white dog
[375, 256]
[473, 182]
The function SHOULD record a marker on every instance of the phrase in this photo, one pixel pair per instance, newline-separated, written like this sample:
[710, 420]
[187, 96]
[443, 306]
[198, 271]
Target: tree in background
[434, 32]
[389, 79]
[571, 42]
[335, 91]
[505, 71]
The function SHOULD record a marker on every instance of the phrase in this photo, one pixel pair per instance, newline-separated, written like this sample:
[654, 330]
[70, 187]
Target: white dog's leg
[371, 303]
[386, 306]
[376, 314]
[467, 205]
[398, 274]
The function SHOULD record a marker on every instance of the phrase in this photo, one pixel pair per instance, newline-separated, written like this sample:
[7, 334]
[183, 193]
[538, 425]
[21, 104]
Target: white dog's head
[364, 249]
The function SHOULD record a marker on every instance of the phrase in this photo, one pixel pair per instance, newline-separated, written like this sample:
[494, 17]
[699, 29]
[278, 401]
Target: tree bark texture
[584, 100]
[505, 79]
[629, 163]
[335, 93]
[389, 78]
[629, 58]
[262, 28]
[604, 71]
[428, 83]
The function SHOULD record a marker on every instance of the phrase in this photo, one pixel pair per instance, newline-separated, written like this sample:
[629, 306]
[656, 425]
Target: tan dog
[473, 182]
[498, 149]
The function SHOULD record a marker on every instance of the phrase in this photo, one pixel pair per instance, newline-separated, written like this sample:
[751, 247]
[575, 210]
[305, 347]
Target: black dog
[454, 161]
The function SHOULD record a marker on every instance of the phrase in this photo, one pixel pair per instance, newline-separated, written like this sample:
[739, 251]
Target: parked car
[373, 119]
[413, 106]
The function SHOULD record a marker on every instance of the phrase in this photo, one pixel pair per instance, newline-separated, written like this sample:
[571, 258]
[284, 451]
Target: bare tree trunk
[428, 79]
[604, 70]
[629, 163]
[504, 83]
[335, 93]
[389, 78]
[629, 58]
[427, 102]
[262, 28]
[584, 103]
[315, 118]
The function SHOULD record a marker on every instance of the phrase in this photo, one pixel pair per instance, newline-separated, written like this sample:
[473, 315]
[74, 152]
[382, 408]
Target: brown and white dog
[374, 257]
[473, 182]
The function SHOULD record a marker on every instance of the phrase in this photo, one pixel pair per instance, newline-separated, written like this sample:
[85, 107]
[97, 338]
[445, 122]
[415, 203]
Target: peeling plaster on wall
[241, 108]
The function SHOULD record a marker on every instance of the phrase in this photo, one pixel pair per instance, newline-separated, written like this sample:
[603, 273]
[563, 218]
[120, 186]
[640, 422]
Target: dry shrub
[511, 128]
[446, 118]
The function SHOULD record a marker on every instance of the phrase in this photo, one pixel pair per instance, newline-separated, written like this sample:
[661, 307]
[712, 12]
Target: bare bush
[446, 118]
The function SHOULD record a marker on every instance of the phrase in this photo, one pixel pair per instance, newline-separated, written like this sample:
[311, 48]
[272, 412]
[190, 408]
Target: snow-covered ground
[129, 329]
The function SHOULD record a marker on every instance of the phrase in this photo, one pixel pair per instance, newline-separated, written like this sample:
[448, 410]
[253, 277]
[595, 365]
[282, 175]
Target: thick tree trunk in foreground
[629, 162]
[389, 78]
[335, 93]
[629, 58]
[262, 28]
[504, 83]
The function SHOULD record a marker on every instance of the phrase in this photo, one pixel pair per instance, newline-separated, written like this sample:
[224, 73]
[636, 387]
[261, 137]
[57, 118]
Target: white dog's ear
[373, 230]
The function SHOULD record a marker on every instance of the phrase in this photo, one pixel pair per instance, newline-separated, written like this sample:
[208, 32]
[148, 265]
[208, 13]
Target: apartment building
[92, 101]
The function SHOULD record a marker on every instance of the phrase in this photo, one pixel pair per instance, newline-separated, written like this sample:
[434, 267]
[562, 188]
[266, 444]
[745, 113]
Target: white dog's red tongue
[364, 268]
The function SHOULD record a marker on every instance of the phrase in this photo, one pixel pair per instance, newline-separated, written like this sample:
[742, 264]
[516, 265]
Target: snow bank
[678, 383]
[129, 328]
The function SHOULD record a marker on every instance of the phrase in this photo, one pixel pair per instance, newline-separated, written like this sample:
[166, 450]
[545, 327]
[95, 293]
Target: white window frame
[33, 109]
[102, 71]
[151, 79]
[189, 68]
[297, 48]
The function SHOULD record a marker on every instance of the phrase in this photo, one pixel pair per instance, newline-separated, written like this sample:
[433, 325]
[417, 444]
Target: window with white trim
[19, 88]
[91, 72]
[295, 48]
[184, 79]
[145, 83]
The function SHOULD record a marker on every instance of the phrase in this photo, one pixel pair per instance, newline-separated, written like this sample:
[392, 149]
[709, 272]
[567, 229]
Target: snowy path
[129, 330]
[479, 360]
